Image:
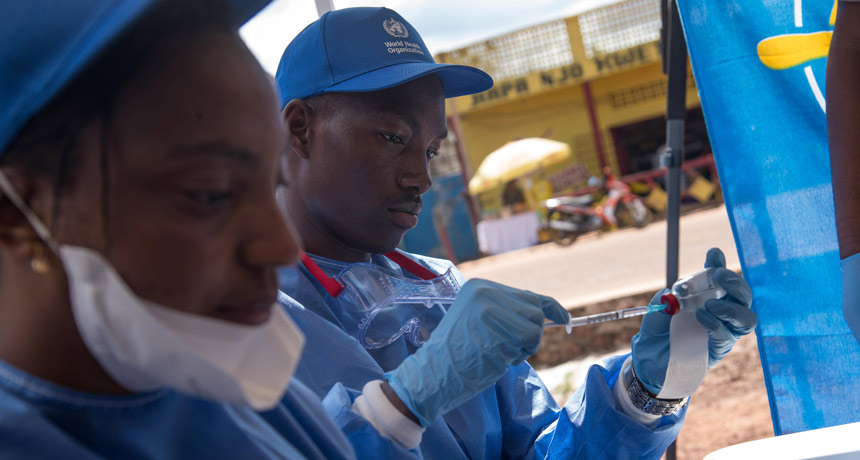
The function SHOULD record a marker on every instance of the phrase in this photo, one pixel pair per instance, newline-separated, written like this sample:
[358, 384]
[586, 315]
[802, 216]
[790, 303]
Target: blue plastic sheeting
[768, 132]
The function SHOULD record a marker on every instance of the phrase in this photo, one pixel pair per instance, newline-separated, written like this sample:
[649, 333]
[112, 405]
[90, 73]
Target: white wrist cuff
[374, 406]
[623, 401]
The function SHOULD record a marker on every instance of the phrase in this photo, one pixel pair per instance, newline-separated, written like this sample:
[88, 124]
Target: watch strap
[646, 402]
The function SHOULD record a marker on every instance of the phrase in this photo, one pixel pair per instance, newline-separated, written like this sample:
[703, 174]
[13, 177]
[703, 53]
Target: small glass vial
[692, 292]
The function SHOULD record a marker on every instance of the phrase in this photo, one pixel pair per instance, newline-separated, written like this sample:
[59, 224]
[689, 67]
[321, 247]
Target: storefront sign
[586, 69]
[502, 90]
[562, 75]
[620, 60]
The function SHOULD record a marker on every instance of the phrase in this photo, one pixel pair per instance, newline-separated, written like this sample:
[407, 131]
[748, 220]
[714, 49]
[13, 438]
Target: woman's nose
[274, 241]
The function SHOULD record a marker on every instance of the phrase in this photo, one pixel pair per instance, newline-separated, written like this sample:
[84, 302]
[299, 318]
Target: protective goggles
[388, 306]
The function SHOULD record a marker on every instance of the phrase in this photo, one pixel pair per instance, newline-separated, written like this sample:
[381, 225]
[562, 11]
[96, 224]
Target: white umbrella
[516, 159]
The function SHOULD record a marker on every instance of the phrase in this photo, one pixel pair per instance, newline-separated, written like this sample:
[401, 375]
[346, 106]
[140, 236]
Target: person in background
[513, 199]
[364, 108]
[843, 128]
[139, 240]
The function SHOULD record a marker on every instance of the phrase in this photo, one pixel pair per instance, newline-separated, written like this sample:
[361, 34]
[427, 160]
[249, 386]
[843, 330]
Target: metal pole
[595, 124]
[675, 66]
[324, 6]
[676, 111]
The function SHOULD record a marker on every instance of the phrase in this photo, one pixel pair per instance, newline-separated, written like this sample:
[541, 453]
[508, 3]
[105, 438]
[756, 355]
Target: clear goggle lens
[386, 324]
[391, 306]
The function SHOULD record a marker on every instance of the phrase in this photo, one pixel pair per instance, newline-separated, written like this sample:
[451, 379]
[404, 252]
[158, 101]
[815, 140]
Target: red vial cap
[673, 306]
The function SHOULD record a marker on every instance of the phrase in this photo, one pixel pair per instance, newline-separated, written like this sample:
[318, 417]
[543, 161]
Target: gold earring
[39, 262]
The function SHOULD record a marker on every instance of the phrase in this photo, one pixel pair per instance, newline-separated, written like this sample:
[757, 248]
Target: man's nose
[415, 174]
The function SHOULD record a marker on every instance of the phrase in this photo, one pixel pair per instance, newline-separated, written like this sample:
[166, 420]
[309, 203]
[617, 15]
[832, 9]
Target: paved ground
[609, 265]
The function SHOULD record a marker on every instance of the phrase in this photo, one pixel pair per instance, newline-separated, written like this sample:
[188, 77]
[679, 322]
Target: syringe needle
[608, 316]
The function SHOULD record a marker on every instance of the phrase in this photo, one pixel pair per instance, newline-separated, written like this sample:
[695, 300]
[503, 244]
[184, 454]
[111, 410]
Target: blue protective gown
[517, 418]
[39, 419]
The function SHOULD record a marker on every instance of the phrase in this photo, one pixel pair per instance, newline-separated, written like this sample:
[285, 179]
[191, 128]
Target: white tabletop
[518, 231]
[841, 442]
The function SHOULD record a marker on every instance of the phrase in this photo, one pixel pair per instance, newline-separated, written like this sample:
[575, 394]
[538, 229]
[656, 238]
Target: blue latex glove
[726, 320]
[487, 328]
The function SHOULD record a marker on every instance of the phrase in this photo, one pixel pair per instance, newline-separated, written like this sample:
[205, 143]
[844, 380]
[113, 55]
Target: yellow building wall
[635, 95]
[619, 99]
[626, 86]
[559, 115]
[630, 97]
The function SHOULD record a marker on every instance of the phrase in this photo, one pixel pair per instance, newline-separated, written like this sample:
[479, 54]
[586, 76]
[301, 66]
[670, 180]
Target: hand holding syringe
[689, 292]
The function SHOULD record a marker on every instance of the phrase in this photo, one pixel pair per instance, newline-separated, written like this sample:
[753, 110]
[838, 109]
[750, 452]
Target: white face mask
[145, 346]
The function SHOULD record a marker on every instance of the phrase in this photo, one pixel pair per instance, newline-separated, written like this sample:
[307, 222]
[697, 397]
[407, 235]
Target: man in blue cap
[364, 107]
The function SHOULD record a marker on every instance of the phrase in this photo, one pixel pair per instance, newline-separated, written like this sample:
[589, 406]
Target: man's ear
[298, 116]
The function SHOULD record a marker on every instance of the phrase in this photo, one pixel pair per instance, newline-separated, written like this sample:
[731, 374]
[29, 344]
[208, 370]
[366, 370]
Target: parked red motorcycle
[569, 217]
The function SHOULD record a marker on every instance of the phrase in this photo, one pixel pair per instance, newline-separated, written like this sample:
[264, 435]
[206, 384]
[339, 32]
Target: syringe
[608, 316]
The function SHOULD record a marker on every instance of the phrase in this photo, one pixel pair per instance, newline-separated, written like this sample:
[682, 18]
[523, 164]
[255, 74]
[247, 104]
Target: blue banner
[759, 67]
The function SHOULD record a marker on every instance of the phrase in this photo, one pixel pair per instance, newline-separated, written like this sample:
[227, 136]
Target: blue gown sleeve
[27, 433]
[365, 439]
[588, 427]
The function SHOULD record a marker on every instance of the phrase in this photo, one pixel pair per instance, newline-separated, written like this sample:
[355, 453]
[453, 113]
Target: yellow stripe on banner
[786, 51]
[833, 13]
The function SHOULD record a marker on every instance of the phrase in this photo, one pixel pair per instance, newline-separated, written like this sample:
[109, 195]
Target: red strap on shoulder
[328, 283]
[411, 266]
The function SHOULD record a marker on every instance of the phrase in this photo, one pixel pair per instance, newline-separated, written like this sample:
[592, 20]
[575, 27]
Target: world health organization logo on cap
[395, 28]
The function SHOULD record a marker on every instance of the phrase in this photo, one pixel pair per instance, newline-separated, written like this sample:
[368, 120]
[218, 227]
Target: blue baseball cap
[365, 49]
[44, 44]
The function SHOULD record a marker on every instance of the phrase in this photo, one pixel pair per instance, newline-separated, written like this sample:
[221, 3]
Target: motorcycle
[567, 217]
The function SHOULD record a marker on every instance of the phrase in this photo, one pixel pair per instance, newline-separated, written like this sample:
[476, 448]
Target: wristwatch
[647, 402]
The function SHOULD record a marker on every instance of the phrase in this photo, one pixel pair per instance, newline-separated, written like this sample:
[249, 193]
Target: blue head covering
[365, 49]
[44, 44]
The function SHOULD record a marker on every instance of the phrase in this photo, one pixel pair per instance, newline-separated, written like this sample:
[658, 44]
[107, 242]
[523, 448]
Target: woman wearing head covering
[139, 237]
